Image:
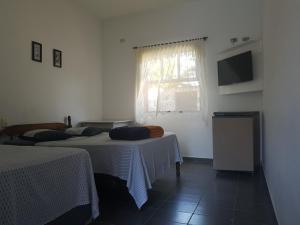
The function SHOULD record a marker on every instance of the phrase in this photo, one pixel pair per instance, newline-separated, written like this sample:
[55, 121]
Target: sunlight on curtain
[171, 78]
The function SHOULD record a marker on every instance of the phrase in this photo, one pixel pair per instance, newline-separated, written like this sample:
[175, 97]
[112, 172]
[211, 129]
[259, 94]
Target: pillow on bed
[51, 135]
[29, 135]
[32, 133]
[75, 131]
[129, 133]
[91, 131]
[155, 131]
[85, 131]
[42, 135]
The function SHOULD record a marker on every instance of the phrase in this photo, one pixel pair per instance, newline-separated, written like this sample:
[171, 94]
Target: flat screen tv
[235, 69]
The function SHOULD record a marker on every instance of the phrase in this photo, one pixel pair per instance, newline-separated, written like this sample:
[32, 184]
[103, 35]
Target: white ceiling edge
[113, 9]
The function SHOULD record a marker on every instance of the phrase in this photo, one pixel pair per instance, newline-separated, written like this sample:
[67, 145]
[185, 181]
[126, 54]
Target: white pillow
[32, 133]
[75, 130]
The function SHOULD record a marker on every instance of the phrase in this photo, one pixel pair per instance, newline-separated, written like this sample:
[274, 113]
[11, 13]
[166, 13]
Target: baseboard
[198, 160]
[271, 195]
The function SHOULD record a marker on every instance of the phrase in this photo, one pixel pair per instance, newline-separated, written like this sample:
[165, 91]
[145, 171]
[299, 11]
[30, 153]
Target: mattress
[39, 184]
[140, 163]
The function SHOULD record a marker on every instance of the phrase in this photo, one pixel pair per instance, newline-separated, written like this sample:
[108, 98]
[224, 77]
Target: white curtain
[170, 78]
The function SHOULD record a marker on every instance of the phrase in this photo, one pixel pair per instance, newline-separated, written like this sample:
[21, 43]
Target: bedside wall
[33, 92]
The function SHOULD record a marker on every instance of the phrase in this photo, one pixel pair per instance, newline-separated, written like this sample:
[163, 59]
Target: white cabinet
[236, 140]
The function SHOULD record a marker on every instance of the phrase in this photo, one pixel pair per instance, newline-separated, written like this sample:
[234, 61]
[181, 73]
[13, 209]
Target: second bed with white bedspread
[140, 163]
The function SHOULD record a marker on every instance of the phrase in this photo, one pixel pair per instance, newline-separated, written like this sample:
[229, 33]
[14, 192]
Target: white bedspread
[39, 184]
[140, 163]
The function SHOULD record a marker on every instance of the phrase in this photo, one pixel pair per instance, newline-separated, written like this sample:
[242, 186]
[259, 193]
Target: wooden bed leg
[178, 169]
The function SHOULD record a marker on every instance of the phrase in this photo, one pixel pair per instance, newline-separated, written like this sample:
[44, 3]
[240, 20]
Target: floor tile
[157, 221]
[194, 198]
[172, 216]
[215, 211]
[180, 206]
[210, 202]
[260, 214]
[209, 220]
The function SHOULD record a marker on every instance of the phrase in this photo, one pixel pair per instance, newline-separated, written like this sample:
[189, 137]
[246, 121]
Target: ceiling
[107, 9]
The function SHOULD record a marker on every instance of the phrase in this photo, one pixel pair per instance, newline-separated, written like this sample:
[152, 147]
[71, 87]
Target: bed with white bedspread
[140, 163]
[39, 184]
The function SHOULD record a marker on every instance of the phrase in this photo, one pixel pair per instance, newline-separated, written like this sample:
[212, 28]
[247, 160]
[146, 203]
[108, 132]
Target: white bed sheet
[39, 184]
[140, 163]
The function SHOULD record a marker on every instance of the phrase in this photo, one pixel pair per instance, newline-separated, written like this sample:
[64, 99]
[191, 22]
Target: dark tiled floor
[201, 196]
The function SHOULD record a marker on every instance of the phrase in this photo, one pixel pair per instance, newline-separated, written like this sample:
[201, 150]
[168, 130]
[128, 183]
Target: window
[170, 79]
[172, 84]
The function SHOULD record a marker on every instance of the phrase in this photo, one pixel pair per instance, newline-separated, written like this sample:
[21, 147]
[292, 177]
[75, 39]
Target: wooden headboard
[20, 129]
[16, 130]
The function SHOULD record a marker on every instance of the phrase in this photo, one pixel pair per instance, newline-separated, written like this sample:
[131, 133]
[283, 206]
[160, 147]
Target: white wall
[39, 92]
[219, 20]
[282, 108]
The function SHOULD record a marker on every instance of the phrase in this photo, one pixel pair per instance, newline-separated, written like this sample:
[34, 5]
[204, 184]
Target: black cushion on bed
[25, 138]
[86, 131]
[50, 135]
[129, 133]
[19, 142]
[92, 131]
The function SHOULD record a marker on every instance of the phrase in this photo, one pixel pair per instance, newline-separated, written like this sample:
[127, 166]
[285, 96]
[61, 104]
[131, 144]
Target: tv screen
[235, 69]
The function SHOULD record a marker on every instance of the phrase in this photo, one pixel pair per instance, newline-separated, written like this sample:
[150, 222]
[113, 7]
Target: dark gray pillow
[92, 131]
[51, 135]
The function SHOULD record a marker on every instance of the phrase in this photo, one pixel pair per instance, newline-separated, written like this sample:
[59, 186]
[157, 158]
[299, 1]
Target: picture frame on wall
[36, 51]
[57, 58]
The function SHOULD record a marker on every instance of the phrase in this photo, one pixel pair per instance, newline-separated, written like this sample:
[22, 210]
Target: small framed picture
[57, 58]
[36, 51]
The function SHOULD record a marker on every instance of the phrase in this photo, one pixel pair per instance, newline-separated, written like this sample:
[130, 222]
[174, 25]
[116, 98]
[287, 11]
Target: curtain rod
[169, 43]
